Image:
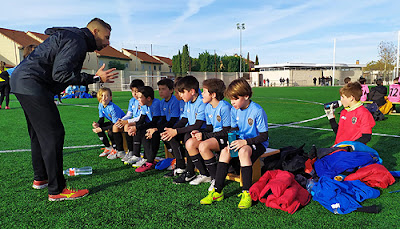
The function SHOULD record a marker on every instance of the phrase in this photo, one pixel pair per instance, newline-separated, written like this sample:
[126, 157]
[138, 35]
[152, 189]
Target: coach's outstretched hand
[107, 75]
[330, 113]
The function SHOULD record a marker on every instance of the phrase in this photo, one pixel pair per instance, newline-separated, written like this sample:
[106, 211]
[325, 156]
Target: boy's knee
[190, 143]
[203, 146]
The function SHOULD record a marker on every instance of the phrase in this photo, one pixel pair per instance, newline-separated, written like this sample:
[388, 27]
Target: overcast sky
[277, 31]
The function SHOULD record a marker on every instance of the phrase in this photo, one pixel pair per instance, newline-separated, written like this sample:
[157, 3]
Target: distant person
[356, 122]
[365, 89]
[315, 81]
[323, 81]
[319, 81]
[267, 82]
[347, 80]
[378, 93]
[264, 83]
[287, 81]
[47, 71]
[330, 80]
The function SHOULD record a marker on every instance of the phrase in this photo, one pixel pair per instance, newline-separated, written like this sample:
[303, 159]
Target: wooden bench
[391, 112]
[238, 178]
[256, 167]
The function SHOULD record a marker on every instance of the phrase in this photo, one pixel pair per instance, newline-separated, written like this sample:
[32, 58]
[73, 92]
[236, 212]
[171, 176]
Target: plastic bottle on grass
[310, 185]
[78, 171]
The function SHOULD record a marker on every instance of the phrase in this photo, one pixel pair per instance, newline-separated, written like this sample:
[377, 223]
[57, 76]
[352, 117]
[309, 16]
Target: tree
[116, 64]
[387, 53]
[375, 66]
[176, 63]
[185, 60]
[195, 67]
[256, 63]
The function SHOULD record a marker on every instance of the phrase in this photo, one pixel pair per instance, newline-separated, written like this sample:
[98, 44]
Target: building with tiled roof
[40, 37]
[167, 63]
[141, 61]
[12, 44]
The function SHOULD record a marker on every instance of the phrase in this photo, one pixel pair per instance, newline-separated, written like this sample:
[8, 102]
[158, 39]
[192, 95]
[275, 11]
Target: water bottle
[232, 136]
[310, 185]
[78, 171]
[336, 104]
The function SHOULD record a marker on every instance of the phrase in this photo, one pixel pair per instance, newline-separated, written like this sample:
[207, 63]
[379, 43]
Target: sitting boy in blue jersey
[170, 112]
[214, 137]
[129, 119]
[112, 112]
[192, 119]
[150, 115]
[250, 120]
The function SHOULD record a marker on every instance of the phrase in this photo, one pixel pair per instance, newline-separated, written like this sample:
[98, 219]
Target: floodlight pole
[398, 44]
[334, 59]
[240, 27]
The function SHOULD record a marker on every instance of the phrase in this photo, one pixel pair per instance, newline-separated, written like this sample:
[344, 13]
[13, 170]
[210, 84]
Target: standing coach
[47, 71]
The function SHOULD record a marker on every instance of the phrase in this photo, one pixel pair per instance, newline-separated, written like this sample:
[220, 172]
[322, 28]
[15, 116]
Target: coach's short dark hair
[147, 92]
[187, 83]
[100, 22]
[216, 86]
[136, 83]
[167, 82]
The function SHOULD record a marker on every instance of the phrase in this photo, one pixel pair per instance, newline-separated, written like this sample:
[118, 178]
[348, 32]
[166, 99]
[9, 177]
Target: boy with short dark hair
[110, 111]
[378, 93]
[150, 115]
[192, 119]
[130, 118]
[356, 122]
[347, 80]
[169, 106]
[214, 137]
[250, 120]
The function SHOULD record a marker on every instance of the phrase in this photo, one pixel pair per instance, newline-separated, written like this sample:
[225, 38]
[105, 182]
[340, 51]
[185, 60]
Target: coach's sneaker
[246, 200]
[132, 160]
[212, 196]
[121, 154]
[174, 173]
[69, 194]
[40, 184]
[212, 185]
[185, 177]
[200, 179]
[112, 155]
[139, 163]
[145, 167]
[105, 152]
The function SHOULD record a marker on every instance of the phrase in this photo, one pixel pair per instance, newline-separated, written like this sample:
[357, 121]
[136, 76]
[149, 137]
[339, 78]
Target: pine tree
[176, 63]
[256, 60]
[185, 60]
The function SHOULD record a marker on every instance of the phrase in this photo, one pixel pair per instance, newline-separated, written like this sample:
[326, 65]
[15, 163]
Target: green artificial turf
[121, 198]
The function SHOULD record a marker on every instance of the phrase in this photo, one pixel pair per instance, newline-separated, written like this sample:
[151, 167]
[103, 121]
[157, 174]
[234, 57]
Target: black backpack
[289, 159]
[376, 113]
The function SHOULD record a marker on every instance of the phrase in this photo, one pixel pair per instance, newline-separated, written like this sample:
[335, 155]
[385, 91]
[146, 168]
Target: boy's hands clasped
[168, 134]
[237, 144]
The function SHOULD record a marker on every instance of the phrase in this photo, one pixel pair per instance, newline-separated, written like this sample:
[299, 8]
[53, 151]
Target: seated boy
[112, 112]
[192, 119]
[250, 120]
[170, 112]
[130, 118]
[150, 115]
[364, 88]
[356, 121]
[214, 137]
[378, 93]
[394, 93]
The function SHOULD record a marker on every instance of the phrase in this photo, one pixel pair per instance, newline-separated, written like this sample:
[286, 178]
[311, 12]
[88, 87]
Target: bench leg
[167, 153]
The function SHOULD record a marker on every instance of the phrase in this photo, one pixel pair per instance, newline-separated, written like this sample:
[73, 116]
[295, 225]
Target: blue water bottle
[232, 136]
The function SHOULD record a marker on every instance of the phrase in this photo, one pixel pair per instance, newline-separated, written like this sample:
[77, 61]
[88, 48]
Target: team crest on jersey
[210, 116]
[354, 120]
[164, 108]
[195, 115]
[218, 118]
[250, 121]
[109, 115]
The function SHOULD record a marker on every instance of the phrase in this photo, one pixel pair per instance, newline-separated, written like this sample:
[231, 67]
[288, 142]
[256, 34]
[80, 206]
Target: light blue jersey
[250, 121]
[170, 109]
[218, 117]
[69, 91]
[181, 108]
[194, 111]
[151, 111]
[134, 107]
[82, 88]
[112, 112]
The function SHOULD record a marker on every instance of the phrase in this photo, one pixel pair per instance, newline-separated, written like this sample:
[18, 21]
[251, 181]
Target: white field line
[67, 147]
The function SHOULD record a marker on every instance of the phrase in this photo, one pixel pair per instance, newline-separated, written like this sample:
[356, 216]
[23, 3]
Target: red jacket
[374, 175]
[278, 189]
